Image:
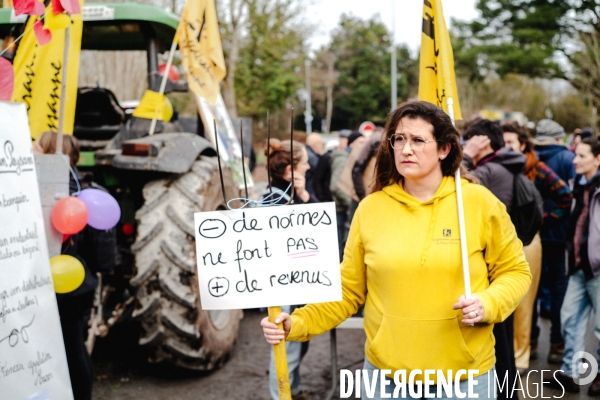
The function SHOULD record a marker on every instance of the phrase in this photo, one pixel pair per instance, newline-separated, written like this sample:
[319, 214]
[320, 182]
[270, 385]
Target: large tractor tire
[176, 328]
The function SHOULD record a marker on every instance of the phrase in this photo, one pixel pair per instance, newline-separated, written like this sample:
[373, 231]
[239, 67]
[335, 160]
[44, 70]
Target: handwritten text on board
[267, 256]
[32, 355]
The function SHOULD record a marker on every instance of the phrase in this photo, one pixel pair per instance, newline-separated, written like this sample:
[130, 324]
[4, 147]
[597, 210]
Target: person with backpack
[555, 154]
[498, 169]
[550, 186]
[583, 290]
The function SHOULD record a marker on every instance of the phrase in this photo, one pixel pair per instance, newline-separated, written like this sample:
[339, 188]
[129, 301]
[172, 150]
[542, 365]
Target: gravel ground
[122, 374]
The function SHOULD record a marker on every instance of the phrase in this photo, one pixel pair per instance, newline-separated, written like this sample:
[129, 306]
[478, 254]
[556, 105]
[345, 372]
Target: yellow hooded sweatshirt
[402, 261]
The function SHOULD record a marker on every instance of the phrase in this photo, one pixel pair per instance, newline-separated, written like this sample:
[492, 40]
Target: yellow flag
[154, 106]
[38, 76]
[437, 82]
[200, 47]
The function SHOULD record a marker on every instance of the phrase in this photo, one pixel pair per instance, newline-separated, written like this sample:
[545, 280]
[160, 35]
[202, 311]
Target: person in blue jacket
[551, 151]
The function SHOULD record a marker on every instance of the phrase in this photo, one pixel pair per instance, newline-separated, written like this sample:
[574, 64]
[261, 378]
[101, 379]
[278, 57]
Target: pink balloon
[7, 79]
[104, 211]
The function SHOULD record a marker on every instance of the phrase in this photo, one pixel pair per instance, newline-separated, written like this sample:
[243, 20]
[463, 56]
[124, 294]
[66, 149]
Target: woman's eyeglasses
[416, 143]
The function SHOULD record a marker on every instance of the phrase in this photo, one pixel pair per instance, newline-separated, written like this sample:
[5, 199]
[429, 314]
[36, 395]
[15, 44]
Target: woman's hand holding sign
[273, 334]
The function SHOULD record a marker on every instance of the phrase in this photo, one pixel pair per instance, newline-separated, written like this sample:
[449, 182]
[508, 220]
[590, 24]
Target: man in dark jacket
[551, 151]
[496, 165]
[314, 148]
[321, 175]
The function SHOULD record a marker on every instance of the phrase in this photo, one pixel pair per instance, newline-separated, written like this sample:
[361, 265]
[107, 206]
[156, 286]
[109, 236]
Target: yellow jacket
[403, 262]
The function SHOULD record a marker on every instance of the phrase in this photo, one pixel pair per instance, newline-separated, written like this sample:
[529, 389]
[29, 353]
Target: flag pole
[462, 230]
[63, 92]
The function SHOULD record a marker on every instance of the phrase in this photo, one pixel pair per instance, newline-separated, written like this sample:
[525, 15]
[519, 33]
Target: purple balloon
[103, 210]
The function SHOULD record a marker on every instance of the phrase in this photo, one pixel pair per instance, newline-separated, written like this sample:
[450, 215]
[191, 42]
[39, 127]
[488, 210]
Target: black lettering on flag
[202, 25]
[427, 3]
[429, 30]
[428, 27]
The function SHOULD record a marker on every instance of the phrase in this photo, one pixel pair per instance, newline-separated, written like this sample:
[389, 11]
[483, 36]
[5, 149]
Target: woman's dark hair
[444, 133]
[47, 142]
[523, 135]
[594, 144]
[279, 156]
[491, 129]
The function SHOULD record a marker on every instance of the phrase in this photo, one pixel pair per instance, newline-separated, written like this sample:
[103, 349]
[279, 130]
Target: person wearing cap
[551, 151]
[342, 200]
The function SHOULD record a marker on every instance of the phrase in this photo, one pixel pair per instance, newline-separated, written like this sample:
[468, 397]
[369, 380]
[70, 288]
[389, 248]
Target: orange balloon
[69, 216]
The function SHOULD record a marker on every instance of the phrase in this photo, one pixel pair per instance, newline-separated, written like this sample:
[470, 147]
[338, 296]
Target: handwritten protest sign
[32, 355]
[268, 256]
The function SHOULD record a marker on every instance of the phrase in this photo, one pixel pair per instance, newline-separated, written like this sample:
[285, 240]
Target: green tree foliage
[362, 62]
[272, 51]
[515, 36]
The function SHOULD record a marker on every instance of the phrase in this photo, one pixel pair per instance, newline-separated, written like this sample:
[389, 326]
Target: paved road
[122, 374]
[541, 364]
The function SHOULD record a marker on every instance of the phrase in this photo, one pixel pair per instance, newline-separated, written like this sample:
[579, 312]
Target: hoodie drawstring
[429, 238]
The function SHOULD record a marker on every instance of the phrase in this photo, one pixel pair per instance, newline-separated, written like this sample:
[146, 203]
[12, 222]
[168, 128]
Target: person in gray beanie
[548, 130]
[555, 154]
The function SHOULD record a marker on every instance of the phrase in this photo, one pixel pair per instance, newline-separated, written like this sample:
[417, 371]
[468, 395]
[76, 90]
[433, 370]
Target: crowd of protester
[370, 172]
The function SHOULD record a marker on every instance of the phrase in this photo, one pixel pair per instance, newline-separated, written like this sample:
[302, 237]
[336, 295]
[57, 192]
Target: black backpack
[527, 211]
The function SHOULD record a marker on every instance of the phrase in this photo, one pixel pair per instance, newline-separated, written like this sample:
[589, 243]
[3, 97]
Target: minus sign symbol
[209, 229]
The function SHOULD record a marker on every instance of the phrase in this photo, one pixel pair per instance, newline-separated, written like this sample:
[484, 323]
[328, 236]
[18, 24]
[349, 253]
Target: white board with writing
[268, 256]
[32, 354]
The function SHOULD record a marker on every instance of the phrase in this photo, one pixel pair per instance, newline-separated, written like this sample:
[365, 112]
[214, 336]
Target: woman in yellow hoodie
[402, 262]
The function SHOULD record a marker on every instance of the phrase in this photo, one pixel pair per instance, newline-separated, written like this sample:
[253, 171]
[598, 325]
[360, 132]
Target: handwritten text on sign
[32, 355]
[268, 256]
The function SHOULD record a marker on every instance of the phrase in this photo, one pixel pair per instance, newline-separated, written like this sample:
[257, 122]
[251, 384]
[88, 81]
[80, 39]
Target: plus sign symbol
[218, 286]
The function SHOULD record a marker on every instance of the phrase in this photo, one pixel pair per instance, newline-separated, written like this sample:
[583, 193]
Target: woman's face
[302, 166]
[412, 162]
[585, 162]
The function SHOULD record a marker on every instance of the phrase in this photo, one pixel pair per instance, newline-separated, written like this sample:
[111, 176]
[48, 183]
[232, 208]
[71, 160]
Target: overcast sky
[409, 16]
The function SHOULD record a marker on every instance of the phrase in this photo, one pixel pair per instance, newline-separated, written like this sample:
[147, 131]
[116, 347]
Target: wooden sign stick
[281, 366]
[283, 378]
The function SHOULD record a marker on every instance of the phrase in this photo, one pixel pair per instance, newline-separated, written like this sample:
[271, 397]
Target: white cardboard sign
[268, 256]
[32, 355]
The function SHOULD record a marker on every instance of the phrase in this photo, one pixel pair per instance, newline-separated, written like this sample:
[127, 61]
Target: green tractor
[159, 182]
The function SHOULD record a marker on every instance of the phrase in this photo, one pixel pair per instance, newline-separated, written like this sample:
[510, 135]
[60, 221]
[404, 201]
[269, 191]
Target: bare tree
[587, 66]
[330, 81]
[232, 20]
